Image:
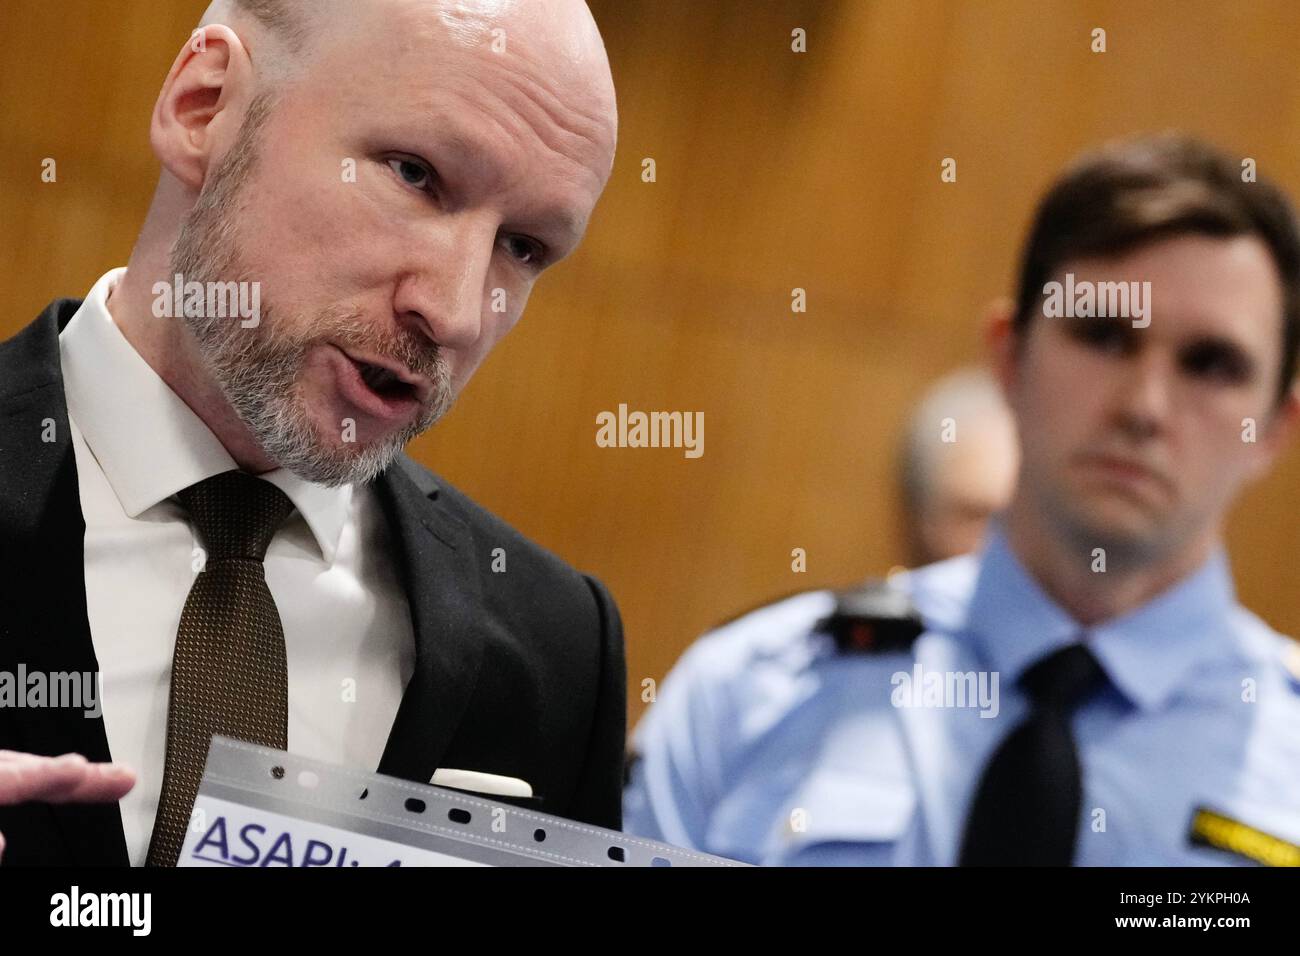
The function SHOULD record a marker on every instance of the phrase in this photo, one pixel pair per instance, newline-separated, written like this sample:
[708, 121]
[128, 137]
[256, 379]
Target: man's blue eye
[412, 173]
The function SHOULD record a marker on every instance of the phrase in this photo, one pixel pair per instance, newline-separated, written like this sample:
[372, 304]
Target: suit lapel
[42, 532]
[45, 624]
[442, 586]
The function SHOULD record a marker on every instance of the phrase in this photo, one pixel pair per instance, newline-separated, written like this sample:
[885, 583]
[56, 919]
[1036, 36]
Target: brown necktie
[229, 674]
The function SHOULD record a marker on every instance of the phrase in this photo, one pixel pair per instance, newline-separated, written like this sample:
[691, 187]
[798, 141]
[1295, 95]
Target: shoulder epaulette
[872, 618]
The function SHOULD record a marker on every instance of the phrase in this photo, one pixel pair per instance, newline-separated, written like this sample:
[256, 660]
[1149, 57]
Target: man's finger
[101, 783]
[69, 778]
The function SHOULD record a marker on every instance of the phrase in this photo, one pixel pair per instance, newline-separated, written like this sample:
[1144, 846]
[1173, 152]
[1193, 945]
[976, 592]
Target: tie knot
[236, 514]
[1061, 680]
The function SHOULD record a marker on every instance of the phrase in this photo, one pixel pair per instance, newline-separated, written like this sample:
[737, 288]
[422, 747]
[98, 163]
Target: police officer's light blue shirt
[769, 745]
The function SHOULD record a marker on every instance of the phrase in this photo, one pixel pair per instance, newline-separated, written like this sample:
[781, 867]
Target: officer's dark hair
[1137, 191]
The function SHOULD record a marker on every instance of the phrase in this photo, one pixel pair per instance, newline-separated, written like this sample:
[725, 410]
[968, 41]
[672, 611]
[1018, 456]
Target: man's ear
[1000, 338]
[202, 96]
[1277, 433]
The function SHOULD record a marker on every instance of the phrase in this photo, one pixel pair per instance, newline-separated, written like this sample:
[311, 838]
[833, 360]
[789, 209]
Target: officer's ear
[1277, 432]
[1002, 342]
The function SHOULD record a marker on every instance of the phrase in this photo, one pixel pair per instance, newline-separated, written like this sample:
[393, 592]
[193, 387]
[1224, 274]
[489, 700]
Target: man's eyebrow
[461, 142]
[454, 139]
[1220, 343]
[568, 227]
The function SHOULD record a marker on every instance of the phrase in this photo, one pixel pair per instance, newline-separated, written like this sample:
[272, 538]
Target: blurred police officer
[1084, 688]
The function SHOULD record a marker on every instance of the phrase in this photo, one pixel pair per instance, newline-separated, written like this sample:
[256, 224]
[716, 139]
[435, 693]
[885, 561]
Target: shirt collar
[148, 442]
[1147, 652]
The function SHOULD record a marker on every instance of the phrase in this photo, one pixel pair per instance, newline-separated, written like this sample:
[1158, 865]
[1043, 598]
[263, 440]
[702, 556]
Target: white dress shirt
[330, 568]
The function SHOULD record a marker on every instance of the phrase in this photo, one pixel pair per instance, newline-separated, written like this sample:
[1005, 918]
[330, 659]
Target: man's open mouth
[384, 382]
[378, 390]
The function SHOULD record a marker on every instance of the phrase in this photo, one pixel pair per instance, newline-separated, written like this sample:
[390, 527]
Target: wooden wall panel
[775, 170]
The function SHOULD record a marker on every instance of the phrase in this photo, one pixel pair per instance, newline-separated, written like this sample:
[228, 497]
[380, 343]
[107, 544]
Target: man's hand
[67, 779]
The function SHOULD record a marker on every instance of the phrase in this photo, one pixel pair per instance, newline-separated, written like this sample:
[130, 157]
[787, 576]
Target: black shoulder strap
[872, 618]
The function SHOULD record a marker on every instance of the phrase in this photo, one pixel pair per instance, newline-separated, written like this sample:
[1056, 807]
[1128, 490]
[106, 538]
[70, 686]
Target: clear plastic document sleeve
[262, 807]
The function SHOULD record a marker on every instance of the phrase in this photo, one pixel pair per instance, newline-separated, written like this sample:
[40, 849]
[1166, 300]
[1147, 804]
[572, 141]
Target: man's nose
[1145, 401]
[441, 291]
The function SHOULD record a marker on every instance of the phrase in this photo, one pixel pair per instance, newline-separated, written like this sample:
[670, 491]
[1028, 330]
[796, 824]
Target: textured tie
[228, 669]
[1026, 809]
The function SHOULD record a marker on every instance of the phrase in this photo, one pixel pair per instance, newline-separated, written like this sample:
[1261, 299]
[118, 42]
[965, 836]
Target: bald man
[953, 483]
[205, 507]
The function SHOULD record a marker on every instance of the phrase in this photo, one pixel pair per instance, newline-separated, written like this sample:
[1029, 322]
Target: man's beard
[257, 368]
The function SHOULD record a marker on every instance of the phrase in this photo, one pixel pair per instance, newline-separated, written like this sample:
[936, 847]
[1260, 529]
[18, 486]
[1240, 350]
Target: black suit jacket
[518, 673]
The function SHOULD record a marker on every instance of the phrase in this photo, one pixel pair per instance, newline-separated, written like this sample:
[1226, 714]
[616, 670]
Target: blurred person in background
[956, 469]
[1084, 688]
[952, 483]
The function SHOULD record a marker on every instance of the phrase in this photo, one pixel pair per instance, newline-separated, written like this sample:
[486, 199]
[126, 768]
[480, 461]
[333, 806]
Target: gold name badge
[1224, 833]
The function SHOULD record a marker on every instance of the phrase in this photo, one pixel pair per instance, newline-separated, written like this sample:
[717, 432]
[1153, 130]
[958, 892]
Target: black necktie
[229, 674]
[1025, 811]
